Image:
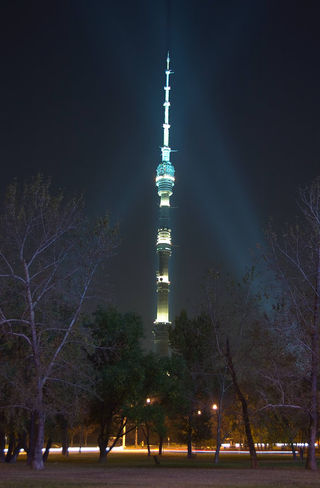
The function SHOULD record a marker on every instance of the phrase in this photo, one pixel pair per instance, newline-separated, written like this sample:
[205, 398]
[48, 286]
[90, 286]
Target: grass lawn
[132, 469]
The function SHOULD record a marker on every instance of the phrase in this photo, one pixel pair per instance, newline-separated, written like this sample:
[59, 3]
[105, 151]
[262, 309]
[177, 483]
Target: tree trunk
[293, 449]
[219, 417]
[16, 451]
[21, 444]
[146, 433]
[189, 436]
[65, 442]
[244, 405]
[2, 446]
[65, 437]
[47, 450]
[24, 444]
[216, 455]
[80, 440]
[103, 451]
[37, 461]
[301, 453]
[160, 445]
[10, 447]
[148, 439]
[311, 462]
[30, 452]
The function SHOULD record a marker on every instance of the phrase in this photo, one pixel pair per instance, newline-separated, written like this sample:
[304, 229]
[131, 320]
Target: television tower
[165, 183]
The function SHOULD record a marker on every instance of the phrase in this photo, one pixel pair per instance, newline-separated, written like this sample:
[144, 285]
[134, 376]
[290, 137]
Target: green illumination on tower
[164, 182]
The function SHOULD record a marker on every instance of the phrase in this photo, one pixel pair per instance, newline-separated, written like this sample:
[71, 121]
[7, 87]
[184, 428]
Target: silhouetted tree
[295, 261]
[191, 371]
[49, 255]
[233, 308]
[118, 374]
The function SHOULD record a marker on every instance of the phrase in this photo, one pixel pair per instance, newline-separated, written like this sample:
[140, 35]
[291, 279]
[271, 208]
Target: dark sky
[81, 100]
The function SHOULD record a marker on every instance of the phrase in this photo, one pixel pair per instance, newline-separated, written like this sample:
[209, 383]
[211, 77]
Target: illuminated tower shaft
[165, 183]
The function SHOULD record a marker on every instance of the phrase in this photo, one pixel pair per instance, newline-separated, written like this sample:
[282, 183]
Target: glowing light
[165, 199]
[199, 412]
[148, 400]
[164, 236]
[214, 407]
[162, 318]
[165, 153]
[163, 279]
[165, 177]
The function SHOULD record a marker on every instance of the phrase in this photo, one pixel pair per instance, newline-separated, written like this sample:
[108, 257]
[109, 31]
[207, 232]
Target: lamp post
[217, 411]
[146, 428]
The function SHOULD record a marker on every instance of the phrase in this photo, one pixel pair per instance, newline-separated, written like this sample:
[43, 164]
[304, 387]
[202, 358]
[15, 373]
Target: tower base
[161, 339]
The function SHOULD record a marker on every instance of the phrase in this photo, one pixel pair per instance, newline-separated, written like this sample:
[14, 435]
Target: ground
[136, 470]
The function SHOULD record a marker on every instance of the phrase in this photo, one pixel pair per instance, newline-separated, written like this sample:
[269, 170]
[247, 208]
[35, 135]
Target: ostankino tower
[165, 183]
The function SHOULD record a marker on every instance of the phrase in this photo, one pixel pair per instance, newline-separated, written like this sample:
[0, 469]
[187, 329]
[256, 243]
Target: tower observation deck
[164, 182]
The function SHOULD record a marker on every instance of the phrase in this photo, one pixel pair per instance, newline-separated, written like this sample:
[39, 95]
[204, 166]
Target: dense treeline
[244, 369]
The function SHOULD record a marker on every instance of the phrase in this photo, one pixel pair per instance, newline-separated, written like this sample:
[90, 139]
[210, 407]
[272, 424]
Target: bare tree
[49, 255]
[220, 409]
[233, 311]
[295, 260]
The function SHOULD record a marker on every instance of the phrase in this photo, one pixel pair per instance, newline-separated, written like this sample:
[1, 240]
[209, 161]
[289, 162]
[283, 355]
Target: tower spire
[165, 182]
[166, 125]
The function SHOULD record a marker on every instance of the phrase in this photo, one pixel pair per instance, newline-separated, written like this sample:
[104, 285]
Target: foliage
[118, 373]
[194, 376]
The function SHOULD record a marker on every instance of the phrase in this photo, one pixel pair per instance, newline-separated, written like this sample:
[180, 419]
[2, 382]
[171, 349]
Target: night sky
[81, 101]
